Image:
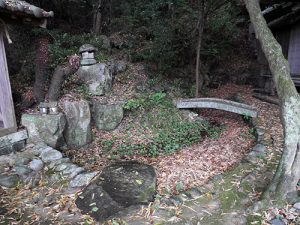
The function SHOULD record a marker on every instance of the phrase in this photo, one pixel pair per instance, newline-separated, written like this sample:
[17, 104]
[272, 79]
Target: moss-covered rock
[78, 131]
[107, 116]
[119, 186]
[48, 128]
[97, 77]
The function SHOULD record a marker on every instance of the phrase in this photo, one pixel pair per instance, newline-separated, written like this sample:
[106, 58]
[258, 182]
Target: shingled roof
[15, 9]
[283, 14]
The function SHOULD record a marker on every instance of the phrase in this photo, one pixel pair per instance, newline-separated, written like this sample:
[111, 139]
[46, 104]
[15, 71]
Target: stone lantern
[97, 76]
[87, 53]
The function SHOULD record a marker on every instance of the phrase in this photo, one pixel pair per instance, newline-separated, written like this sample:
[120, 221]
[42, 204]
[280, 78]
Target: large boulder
[78, 131]
[45, 127]
[119, 186]
[129, 183]
[107, 116]
[98, 78]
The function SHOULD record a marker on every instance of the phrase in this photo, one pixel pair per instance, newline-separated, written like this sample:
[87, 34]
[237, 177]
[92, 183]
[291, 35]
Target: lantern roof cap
[87, 48]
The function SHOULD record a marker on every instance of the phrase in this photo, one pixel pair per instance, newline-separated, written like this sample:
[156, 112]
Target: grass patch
[159, 128]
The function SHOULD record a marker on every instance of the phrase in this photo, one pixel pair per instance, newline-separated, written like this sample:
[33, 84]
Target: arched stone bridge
[216, 103]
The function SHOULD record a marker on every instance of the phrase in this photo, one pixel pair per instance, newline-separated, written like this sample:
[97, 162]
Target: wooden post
[6, 102]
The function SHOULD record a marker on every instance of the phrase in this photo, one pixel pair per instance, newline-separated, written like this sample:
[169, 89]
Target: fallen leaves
[190, 167]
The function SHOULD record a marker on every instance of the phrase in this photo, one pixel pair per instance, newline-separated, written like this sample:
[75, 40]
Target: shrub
[65, 44]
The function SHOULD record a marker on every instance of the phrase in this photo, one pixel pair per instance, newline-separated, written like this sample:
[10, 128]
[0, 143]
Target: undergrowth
[65, 44]
[160, 129]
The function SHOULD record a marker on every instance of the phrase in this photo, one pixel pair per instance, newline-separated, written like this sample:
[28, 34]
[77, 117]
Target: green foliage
[170, 132]
[254, 219]
[247, 119]
[165, 31]
[163, 36]
[157, 98]
[215, 132]
[65, 44]
[142, 102]
[134, 104]
[83, 91]
[155, 81]
[222, 27]
[179, 187]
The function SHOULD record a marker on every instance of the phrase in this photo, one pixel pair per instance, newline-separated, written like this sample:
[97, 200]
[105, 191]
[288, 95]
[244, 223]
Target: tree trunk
[200, 27]
[41, 68]
[283, 185]
[59, 75]
[97, 25]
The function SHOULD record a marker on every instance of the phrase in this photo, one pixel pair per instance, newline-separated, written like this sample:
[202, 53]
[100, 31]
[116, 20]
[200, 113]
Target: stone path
[28, 165]
[41, 178]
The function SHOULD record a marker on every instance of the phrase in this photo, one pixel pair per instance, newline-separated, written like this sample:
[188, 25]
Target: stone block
[13, 142]
[78, 131]
[46, 128]
[107, 116]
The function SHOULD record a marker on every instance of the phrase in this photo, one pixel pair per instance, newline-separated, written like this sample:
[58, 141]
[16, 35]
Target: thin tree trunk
[283, 186]
[41, 68]
[200, 27]
[59, 75]
[97, 25]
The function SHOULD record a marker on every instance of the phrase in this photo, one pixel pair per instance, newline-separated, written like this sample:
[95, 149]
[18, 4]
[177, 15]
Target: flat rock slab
[51, 155]
[72, 171]
[12, 138]
[9, 181]
[277, 222]
[297, 205]
[97, 203]
[260, 148]
[22, 171]
[13, 142]
[120, 185]
[36, 165]
[216, 103]
[129, 183]
[82, 179]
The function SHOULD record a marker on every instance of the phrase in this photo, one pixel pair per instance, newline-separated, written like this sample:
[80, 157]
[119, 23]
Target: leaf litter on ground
[191, 167]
